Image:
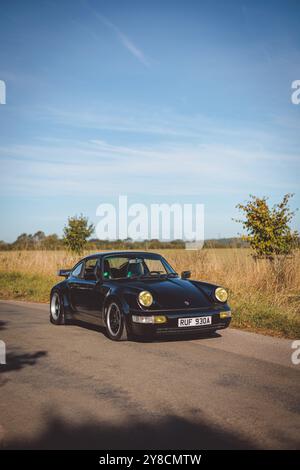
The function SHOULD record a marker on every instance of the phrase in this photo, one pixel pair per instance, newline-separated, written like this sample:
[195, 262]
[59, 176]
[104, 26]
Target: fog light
[160, 319]
[226, 314]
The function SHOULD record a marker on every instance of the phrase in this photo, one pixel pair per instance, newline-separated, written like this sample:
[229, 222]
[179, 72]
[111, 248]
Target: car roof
[122, 253]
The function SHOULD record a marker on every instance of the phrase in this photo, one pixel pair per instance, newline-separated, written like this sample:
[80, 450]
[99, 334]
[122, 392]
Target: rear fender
[62, 289]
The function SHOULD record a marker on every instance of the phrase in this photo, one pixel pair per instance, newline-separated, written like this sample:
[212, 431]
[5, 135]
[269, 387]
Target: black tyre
[57, 315]
[115, 322]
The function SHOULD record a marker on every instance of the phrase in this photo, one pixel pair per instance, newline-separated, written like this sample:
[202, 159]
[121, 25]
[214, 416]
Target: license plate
[195, 321]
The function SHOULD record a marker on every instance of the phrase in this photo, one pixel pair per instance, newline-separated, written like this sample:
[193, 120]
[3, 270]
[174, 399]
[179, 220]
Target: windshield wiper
[153, 275]
[159, 275]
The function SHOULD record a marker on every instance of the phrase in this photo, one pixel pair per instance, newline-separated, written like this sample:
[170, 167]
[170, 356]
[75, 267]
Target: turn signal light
[226, 314]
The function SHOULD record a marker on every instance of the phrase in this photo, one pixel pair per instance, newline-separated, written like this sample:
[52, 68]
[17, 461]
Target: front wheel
[115, 323]
[57, 316]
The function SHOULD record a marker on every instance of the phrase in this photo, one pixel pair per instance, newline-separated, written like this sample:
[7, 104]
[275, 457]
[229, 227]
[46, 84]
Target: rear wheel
[57, 316]
[115, 322]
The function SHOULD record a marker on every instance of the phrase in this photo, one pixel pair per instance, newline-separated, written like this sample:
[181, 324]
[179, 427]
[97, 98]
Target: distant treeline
[40, 241]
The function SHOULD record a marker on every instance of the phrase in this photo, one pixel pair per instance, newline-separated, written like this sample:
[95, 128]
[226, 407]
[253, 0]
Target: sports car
[137, 294]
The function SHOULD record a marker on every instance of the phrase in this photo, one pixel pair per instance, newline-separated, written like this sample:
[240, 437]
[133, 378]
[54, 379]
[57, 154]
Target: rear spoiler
[64, 272]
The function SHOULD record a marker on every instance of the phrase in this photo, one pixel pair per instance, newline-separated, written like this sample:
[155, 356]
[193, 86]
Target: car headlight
[221, 294]
[145, 298]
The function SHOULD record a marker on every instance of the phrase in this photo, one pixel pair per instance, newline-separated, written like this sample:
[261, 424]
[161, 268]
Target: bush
[269, 233]
[76, 233]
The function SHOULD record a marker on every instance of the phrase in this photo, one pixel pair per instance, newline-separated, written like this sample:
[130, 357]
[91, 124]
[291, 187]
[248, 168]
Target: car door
[74, 286]
[87, 291]
[93, 291]
[87, 288]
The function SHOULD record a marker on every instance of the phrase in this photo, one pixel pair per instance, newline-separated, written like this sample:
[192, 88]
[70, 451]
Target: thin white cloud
[165, 125]
[124, 39]
[61, 168]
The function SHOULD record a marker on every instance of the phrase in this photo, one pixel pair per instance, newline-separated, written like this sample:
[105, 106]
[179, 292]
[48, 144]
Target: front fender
[117, 296]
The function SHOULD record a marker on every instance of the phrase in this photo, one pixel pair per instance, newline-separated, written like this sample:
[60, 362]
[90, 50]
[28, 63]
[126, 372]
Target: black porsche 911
[137, 293]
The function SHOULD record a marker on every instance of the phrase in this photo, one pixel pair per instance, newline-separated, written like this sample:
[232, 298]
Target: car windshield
[131, 267]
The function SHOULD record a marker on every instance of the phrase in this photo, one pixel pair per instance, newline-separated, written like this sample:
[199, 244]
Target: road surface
[71, 387]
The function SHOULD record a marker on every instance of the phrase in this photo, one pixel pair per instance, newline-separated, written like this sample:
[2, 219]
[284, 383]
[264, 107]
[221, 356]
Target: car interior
[112, 270]
[130, 268]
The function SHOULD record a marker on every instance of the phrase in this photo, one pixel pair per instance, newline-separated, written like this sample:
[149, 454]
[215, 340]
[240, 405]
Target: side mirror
[186, 274]
[64, 272]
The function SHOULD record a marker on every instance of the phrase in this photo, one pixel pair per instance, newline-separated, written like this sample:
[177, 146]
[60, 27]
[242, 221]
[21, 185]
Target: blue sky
[161, 100]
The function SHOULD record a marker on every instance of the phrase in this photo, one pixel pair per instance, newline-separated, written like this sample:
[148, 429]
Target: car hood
[174, 293]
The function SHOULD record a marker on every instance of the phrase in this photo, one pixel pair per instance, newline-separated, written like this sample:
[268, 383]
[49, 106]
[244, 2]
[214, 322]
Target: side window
[77, 271]
[89, 269]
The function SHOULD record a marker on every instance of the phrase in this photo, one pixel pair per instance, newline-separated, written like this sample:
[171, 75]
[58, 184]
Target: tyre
[115, 322]
[57, 316]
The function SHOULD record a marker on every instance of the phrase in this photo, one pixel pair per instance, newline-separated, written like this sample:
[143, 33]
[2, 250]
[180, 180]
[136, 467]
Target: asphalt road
[71, 387]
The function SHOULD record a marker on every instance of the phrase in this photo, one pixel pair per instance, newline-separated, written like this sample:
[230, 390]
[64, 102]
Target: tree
[51, 242]
[76, 233]
[38, 238]
[24, 242]
[269, 233]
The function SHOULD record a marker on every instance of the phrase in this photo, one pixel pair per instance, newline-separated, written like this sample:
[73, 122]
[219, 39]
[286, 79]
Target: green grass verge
[255, 314]
[259, 315]
[21, 286]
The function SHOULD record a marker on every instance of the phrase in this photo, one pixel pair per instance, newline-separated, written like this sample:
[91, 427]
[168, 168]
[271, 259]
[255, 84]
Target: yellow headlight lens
[221, 294]
[145, 298]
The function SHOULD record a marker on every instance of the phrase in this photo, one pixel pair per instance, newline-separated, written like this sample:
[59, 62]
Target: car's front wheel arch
[116, 320]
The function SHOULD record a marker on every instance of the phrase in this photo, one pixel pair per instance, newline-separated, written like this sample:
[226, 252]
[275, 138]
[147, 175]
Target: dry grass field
[264, 297]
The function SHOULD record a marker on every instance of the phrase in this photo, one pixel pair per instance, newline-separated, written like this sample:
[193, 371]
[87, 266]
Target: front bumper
[171, 326]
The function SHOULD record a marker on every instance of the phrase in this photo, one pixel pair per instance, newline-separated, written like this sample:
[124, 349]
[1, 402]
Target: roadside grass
[259, 315]
[23, 286]
[264, 297]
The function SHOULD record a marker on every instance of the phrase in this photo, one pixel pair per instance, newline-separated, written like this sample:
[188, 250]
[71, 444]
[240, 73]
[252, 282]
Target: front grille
[192, 329]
